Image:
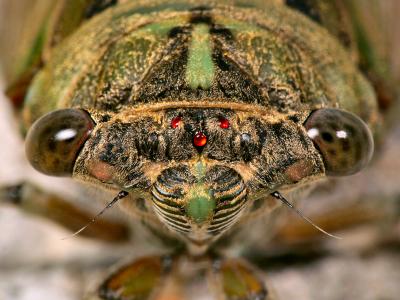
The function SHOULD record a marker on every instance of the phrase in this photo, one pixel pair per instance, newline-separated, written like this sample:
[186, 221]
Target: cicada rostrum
[200, 119]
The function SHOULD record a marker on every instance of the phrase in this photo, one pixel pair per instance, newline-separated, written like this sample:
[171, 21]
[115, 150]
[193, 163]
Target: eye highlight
[54, 141]
[344, 140]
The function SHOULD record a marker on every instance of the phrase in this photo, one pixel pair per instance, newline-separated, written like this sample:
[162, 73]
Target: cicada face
[199, 113]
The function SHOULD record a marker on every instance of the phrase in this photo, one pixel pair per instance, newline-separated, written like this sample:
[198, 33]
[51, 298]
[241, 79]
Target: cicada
[202, 120]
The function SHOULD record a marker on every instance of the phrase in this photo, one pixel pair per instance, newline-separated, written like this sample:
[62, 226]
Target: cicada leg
[237, 279]
[363, 228]
[147, 278]
[34, 200]
[184, 278]
[142, 279]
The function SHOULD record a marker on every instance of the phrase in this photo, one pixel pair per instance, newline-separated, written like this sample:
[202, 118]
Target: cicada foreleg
[34, 200]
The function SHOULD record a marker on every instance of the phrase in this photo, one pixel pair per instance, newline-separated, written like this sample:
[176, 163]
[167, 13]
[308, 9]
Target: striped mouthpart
[230, 193]
[200, 208]
[168, 197]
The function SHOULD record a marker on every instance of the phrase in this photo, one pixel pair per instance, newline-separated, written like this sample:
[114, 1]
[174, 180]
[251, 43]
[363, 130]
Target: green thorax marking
[200, 66]
[200, 202]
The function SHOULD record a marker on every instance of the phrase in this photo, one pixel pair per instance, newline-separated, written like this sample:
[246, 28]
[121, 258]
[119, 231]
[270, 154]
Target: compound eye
[344, 140]
[54, 141]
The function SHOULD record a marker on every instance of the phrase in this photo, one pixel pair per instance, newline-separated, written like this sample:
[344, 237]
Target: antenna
[278, 196]
[121, 194]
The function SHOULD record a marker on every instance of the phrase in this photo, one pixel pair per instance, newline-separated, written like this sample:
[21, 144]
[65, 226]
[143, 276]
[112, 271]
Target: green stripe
[200, 67]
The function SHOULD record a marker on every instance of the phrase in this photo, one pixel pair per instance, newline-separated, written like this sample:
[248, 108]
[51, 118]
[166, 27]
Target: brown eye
[343, 139]
[54, 141]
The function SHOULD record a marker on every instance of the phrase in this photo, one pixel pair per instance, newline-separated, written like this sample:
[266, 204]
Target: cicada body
[203, 118]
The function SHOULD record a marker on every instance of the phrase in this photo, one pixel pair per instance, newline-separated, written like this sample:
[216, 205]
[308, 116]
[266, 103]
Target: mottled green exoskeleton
[201, 114]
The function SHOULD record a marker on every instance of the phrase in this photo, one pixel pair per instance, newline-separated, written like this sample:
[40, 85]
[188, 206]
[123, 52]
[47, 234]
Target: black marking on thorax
[198, 18]
[98, 6]
[307, 7]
